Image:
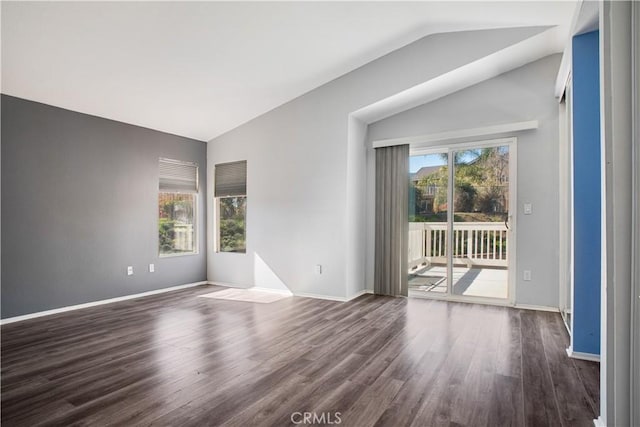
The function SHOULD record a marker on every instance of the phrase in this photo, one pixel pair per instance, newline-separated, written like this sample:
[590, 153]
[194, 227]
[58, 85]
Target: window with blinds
[177, 194]
[231, 179]
[178, 177]
[230, 193]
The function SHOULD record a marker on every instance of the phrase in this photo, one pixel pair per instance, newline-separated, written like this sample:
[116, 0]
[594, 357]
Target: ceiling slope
[511, 57]
[199, 69]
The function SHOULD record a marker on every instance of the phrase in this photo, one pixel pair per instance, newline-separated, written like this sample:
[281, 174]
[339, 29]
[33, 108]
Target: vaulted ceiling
[199, 69]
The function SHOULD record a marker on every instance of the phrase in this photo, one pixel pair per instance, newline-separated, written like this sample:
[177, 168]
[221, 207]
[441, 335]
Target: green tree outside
[481, 187]
[233, 224]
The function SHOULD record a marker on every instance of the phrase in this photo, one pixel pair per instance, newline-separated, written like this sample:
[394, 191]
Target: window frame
[194, 195]
[196, 246]
[216, 225]
[241, 187]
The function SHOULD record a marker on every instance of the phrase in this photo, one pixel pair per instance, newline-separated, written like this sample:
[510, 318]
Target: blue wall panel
[586, 193]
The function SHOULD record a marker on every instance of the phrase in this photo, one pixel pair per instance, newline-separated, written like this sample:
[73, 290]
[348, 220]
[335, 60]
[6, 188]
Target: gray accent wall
[80, 204]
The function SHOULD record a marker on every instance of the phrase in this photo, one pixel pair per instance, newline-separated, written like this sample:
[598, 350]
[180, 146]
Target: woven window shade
[177, 176]
[231, 179]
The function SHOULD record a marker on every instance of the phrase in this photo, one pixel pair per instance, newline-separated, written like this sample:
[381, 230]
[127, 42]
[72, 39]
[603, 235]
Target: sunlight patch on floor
[478, 282]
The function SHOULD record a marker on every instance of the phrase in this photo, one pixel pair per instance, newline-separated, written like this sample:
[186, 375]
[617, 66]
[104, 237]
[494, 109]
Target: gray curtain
[392, 222]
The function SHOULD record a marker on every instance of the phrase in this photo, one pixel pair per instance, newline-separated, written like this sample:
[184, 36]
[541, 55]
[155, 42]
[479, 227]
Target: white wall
[300, 207]
[356, 206]
[618, 34]
[526, 93]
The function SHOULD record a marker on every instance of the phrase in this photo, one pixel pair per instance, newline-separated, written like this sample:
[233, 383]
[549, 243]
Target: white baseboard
[318, 296]
[228, 285]
[358, 294]
[332, 298]
[583, 356]
[599, 422]
[537, 308]
[95, 303]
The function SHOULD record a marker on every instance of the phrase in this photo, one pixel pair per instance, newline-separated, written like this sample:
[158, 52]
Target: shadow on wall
[264, 277]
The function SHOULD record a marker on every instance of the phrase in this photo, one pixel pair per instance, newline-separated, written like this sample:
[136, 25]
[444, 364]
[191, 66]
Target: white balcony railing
[474, 243]
[183, 237]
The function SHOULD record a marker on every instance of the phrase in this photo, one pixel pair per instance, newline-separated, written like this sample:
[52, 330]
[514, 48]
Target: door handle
[506, 220]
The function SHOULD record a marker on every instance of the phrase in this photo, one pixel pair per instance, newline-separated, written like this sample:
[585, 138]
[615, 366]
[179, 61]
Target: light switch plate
[130, 270]
[152, 268]
[528, 209]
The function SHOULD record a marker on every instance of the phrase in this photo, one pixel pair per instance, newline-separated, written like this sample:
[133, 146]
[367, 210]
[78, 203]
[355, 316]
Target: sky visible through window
[417, 162]
[465, 156]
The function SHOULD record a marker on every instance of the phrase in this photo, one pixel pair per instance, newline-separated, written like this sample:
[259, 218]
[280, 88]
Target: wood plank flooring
[175, 359]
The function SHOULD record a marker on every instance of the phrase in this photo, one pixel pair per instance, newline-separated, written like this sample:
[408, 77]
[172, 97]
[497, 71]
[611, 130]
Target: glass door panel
[479, 241]
[428, 236]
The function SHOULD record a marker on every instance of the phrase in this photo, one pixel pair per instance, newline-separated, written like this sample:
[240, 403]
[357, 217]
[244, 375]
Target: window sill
[177, 255]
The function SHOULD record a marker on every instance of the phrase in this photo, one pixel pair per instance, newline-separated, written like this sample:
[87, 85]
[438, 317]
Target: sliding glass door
[428, 195]
[463, 252]
[480, 222]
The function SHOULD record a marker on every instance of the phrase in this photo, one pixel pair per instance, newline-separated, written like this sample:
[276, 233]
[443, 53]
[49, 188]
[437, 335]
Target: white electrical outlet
[527, 275]
[130, 270]
[528, 209]
[152, 268]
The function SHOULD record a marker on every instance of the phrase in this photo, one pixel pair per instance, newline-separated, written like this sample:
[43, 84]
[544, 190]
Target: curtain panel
[392, 222]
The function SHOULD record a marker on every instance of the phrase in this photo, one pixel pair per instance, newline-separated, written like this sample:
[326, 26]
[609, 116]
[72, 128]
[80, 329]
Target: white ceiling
[201, 69]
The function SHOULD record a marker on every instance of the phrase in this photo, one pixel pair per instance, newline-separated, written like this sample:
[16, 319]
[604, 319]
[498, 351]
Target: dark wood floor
[174, 359]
